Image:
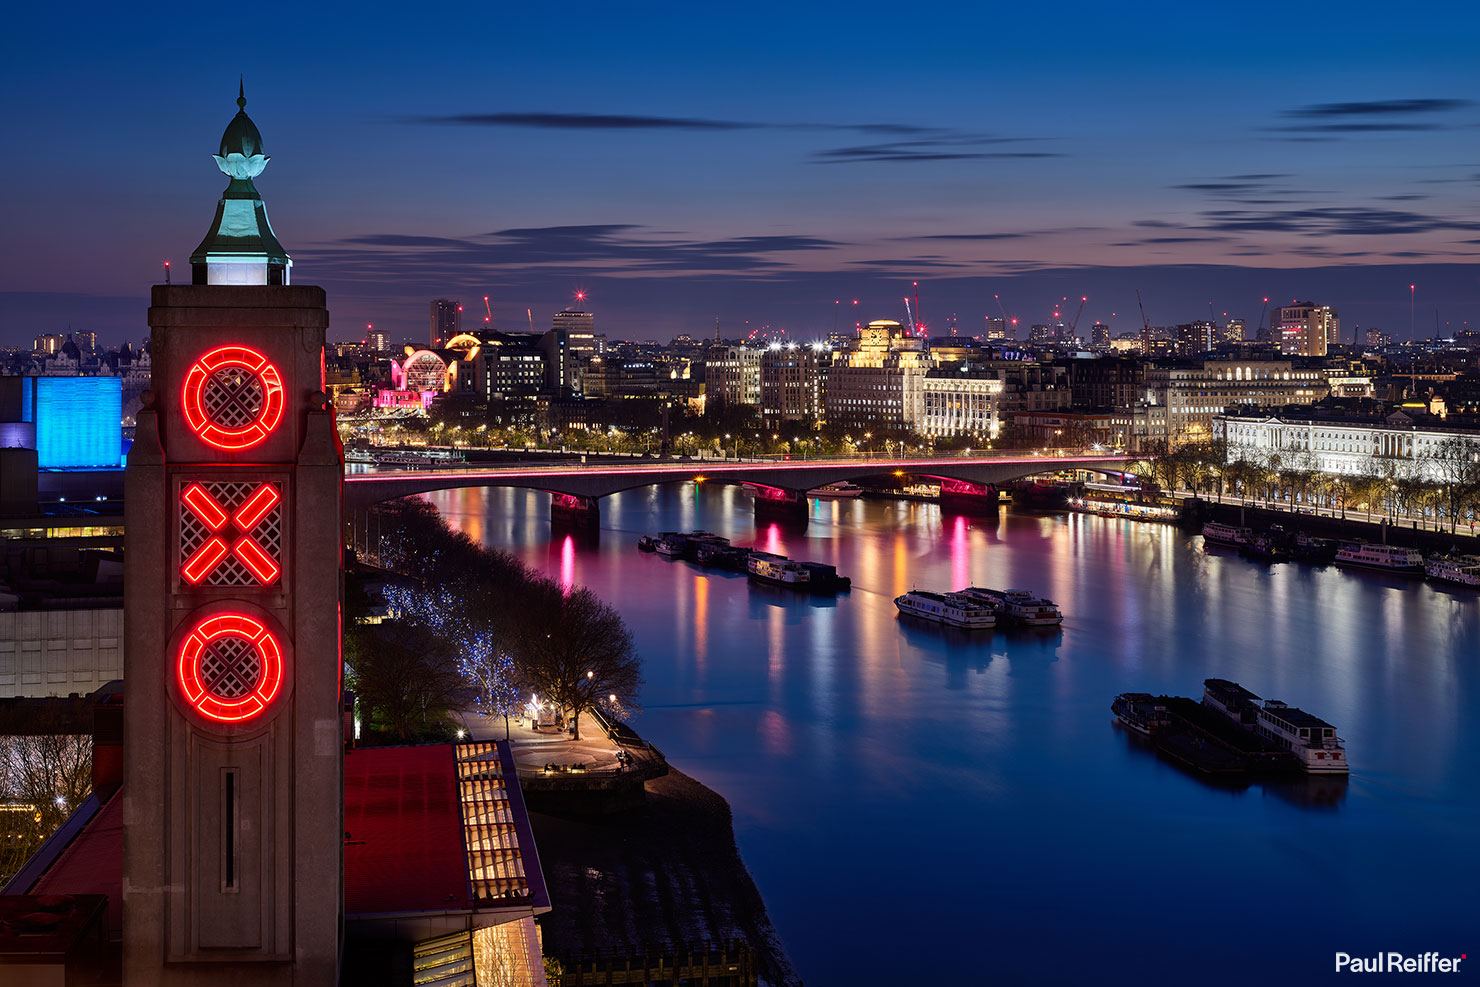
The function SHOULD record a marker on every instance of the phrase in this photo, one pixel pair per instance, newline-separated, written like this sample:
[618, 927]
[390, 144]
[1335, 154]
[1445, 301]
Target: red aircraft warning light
[233, 398]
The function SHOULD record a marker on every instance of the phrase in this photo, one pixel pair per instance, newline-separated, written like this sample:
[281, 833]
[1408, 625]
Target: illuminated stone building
[879, 380]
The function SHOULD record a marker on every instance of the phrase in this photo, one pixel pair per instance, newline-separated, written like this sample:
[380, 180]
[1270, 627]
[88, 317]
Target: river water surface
[918, 804]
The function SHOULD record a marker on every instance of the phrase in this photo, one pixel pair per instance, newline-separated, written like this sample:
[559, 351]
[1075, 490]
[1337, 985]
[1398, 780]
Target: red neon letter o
[232, 438]
[245, 632]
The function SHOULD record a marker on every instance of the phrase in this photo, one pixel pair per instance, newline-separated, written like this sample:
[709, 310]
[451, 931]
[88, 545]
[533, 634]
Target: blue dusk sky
[756, 163]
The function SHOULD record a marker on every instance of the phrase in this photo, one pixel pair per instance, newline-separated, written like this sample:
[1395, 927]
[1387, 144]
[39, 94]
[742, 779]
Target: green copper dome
[241, 136]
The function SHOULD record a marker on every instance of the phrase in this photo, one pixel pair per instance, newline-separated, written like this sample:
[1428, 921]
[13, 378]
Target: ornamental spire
[240, 247]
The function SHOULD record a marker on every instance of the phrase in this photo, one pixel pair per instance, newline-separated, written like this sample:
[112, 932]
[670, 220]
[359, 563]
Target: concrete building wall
[59, 652]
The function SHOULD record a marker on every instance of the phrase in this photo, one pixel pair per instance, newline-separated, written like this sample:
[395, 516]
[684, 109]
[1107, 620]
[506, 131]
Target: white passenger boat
[1226, 534]
[1386, 558]
[1461, 570]
[778, 569]
[1017, 606]
[946, 608]
[1312, 740]
[837, 490]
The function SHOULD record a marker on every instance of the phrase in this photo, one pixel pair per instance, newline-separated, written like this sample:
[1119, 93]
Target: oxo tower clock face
[233, 398]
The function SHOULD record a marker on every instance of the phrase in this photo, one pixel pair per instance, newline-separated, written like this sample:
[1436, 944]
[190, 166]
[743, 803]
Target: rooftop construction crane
[1074, 326]
[1262, 312]
[1145, 326]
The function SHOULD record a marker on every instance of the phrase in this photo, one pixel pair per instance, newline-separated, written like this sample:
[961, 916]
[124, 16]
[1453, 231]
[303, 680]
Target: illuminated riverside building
[959, 402]
[1179, 403]
[879, 381]
[1397, 445]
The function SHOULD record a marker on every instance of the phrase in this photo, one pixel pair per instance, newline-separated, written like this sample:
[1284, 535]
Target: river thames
[918, 804]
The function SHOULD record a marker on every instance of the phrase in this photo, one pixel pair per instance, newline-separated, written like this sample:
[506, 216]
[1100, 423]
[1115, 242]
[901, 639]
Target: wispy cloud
[913, 142]
[965, 236]
[584, 121]
[1380, 116]
[1359, 128]
[1330, 221]
[943, 146]
[617, 247]
[1379, 107]
[643, 121]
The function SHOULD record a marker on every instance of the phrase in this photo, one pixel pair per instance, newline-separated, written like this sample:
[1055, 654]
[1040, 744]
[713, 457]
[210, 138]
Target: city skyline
[758, 169]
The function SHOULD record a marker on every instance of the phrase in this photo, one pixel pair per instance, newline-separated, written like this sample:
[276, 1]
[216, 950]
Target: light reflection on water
[973, 787]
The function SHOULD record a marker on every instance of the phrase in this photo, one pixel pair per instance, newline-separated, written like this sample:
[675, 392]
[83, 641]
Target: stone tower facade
[233, 781]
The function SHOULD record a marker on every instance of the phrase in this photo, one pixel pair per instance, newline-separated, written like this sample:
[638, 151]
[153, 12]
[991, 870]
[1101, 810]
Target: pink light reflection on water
[568, 564]
[773, 539]
[960, 555]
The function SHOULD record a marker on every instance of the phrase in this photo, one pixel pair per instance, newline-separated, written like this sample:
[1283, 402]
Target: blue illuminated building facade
[71, 422]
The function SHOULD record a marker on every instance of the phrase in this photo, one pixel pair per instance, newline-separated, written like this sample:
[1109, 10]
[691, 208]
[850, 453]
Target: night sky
[756, 162]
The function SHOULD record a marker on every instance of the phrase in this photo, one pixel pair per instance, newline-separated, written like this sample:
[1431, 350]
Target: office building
[446, 321]
[1179, 403]
[732, 376]
[1395, 445]
[791, 381]
[1305, 329]
[568, 347]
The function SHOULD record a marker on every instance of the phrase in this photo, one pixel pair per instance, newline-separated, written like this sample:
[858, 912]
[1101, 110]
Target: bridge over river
[780, 485]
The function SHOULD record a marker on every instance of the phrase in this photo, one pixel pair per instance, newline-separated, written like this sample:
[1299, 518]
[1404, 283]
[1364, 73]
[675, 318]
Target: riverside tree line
[466, 625]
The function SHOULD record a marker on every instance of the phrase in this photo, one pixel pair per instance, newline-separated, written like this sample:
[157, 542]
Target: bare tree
[43, 779]
[576, 651]
[1457, 465]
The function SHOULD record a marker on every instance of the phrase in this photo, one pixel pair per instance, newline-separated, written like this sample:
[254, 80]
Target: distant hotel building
[997, 329]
